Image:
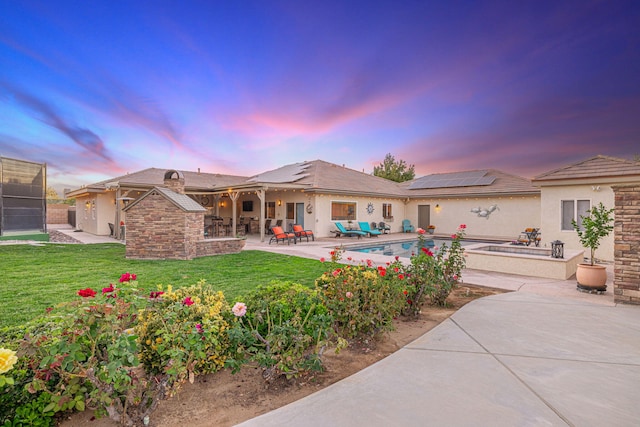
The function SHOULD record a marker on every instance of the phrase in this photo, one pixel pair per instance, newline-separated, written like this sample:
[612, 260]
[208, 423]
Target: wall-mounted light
[595, 187]
[279, 202]
[438, 207]
[221, 204]
[87, 204]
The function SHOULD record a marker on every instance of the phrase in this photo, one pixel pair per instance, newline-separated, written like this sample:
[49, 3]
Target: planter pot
[591, 277]
[430, 230]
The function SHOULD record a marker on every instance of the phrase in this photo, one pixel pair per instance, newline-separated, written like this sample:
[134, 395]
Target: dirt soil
[223, 399]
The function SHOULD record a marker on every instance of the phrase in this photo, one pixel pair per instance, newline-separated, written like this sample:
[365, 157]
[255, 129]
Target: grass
[42, 237]
[36, 277]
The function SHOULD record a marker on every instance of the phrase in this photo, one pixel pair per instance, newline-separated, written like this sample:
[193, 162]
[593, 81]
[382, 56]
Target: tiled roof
[323, 177]
[329, 177]
[594, 167]
[155, 177]
[504, 184]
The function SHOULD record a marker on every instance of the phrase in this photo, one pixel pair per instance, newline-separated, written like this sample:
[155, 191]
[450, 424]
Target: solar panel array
[455, 179]
[285, 174]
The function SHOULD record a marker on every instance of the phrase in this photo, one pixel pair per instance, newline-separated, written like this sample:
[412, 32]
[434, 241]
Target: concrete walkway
[544, 355]
[515, 359]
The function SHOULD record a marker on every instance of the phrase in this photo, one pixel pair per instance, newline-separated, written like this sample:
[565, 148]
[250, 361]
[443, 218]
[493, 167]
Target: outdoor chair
[384, 227]
[300, 233]
[280, 235]
[344, 231]
[364, 226]
[267, 226]
[406, 226]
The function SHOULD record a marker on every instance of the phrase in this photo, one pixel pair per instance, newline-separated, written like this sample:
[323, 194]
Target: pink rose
[239, 309]
[421, 231]
[188, 301]
[349, 295]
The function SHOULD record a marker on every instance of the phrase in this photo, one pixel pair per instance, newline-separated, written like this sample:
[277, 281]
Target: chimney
[174, 180]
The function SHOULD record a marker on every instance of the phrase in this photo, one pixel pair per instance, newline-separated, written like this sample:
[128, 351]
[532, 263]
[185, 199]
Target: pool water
[407, 248]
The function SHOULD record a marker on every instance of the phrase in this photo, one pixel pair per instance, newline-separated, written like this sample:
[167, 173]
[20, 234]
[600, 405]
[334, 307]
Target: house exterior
[568, 192]
[317, 194]
[491, 203]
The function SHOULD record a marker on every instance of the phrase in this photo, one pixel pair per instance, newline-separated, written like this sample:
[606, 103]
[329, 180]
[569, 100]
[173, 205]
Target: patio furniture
[349, 233]
[300, 233]
[384, 227]
[280, 235]
[267, 226]
[364, 226]
[406, 226]
[529, 236]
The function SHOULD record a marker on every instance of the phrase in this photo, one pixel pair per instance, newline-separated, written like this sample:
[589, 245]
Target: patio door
[300, 214]
[424, 216]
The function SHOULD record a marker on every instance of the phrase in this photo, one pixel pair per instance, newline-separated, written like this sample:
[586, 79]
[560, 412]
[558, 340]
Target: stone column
[626, 281]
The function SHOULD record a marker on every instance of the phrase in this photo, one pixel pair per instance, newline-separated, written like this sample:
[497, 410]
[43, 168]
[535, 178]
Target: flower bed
[120, 350]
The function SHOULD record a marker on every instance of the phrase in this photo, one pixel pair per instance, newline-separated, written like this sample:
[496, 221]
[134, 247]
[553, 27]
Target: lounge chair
[364, 226]
[300, 233]
[384, 227]
[280, 235]
[342, 230]
[406, 226]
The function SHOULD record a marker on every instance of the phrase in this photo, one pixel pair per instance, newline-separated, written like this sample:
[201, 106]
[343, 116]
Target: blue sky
[100, 88]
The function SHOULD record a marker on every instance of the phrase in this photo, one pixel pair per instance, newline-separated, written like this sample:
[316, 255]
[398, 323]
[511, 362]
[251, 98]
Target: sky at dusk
[97, 89]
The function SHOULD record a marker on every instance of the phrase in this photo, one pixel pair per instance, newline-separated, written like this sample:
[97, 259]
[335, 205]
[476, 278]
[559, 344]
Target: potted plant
[595, 226]
[431, 229]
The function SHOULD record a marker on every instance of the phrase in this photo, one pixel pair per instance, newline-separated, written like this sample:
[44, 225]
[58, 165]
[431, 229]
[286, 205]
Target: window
[386, 211]
[573, 210]
[271, 210]
[343, 211]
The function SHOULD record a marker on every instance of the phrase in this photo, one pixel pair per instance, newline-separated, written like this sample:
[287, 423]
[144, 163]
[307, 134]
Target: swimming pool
[405, 248]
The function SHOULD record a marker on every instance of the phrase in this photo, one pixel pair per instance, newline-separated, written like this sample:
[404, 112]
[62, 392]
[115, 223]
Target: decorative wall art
[370, 208]
[484, 213]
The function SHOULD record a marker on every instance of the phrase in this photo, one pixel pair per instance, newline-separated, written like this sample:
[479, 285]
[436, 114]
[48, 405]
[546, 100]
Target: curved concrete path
[515, 359]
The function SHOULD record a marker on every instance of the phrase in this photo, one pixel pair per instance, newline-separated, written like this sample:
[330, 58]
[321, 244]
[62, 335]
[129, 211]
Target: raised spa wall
[522, 260]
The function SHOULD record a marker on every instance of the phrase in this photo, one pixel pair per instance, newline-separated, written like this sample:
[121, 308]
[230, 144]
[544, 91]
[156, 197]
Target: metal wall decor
[370, 208]
[484, 213]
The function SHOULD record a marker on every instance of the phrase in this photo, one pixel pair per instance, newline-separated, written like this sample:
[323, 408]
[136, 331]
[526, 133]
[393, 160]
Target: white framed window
[387, 212]
[343, 211]
[573, 210]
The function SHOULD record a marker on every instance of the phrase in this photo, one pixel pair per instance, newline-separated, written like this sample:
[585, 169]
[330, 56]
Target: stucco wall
[322, 210]
[551, 214]
[512, 215]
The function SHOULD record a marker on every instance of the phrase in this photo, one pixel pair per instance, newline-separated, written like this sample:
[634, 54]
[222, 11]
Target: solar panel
[454, 179]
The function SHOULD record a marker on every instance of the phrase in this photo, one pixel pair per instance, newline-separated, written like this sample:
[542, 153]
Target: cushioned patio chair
[344, 231]
[301, 232]
[384, 227]
[364, 226]
[280, 235]
[406, 226]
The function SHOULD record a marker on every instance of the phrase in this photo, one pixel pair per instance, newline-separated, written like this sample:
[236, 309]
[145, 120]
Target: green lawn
[33, 278]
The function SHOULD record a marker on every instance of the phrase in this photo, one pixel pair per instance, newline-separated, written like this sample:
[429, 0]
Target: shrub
[86, 357]
[282, 327]
[362, 300]
[182, 333]
[433, 274]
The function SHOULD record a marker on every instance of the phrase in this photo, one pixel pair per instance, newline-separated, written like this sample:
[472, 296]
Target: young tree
[397, 171]
[52, 193]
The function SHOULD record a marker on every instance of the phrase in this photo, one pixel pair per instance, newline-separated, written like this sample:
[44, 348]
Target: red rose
[109, 289]
[87, 293]
[188, 301]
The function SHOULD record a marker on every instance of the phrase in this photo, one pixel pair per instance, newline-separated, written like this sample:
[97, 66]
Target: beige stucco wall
[322, 210]
[512, 216]
[551, 211]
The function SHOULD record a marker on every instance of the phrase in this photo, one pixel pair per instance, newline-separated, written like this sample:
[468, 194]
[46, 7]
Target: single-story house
[568, 192]
[317, 194]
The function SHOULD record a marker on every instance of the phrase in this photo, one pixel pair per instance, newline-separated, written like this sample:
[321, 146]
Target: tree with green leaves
[397, 171]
